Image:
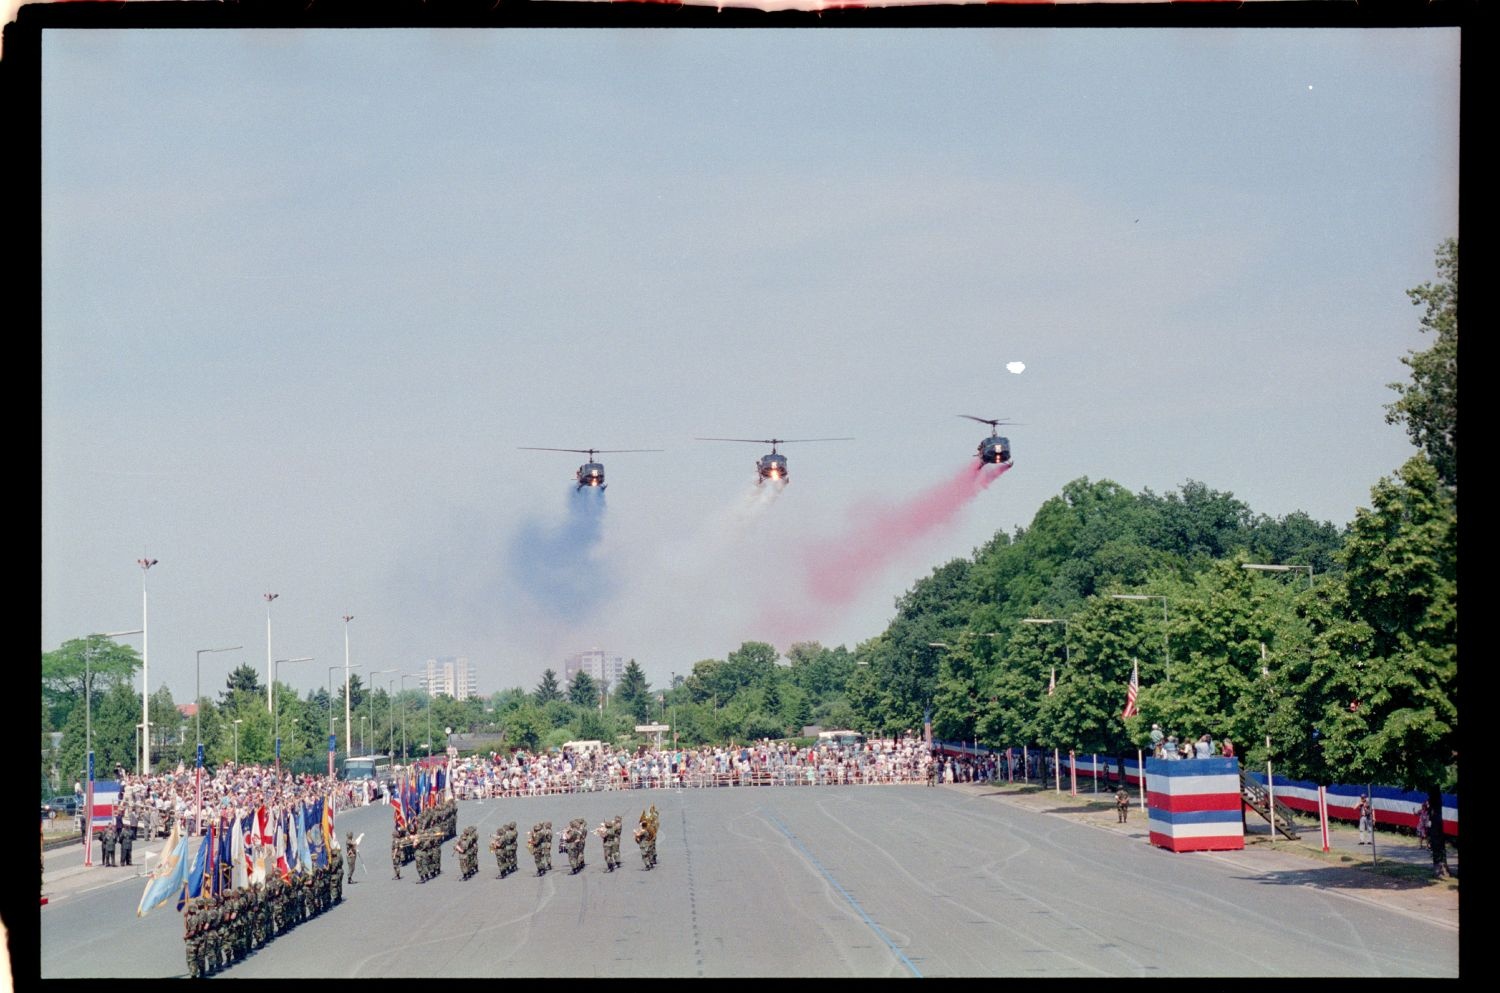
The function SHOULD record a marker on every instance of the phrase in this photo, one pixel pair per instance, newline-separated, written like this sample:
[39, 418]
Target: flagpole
[1140, 776]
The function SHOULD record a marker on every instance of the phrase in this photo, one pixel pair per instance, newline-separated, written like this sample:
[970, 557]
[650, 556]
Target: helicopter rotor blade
[773, 441]
[590, 452]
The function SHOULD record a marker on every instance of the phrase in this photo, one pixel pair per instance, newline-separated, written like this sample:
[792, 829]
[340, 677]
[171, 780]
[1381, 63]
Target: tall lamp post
[347, 733]
[270, 673]
[374, 730]
[404, 677]
[1261, 567]
[275, 717]
[145, 765]
[331, 741]
[198, 728]
[1165, 647]
[88, 741]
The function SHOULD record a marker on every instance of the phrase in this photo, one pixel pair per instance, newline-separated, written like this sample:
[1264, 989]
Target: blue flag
[315, 833]
[169, 876]
[197, 872]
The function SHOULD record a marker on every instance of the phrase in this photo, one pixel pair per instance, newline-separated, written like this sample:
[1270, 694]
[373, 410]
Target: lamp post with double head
[347, 667]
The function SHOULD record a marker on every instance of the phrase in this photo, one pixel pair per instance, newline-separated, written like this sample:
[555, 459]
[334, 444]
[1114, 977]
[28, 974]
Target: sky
[308, 294]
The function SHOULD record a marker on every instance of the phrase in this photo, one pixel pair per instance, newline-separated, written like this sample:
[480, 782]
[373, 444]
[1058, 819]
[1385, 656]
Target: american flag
[1133, 690]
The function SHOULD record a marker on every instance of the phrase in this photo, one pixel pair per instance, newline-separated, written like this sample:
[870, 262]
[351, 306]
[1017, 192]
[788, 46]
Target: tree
[583, 691]
[546, 691]
[63, 669]
[634, 693]
[1429, 405]
[243, 677]
[1395, 657]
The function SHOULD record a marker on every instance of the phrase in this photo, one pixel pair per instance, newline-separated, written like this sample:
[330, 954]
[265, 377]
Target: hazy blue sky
[306, 292]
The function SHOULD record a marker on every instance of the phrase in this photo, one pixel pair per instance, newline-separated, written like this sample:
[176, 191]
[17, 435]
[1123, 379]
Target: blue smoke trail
[556, 565]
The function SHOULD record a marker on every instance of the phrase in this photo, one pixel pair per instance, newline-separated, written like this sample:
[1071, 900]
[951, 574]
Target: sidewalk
[1396, 875]
[63, 871]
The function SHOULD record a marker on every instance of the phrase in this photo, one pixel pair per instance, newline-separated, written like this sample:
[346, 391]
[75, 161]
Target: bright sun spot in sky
[1016, 367]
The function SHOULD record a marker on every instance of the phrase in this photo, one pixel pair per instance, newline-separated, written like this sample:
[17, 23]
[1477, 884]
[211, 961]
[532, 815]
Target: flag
[279, 846]
[211, 873]
[305, 821]
[197, 873]
[329, 832]
[261, 847]
[106, 794]
[1052, 686]
[238, 877]
[927, 726]
[1133, 690]
[396, 809]
[170, 875]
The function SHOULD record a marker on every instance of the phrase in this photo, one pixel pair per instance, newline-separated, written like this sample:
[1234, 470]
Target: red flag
[1052, 686]
[396, 809]
[1133, 690]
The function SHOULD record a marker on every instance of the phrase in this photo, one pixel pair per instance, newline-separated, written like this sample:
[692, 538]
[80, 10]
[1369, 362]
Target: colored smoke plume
[556, 564]
[838, 570]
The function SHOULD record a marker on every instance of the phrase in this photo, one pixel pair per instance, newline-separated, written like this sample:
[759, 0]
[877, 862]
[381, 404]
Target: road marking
[847, 896]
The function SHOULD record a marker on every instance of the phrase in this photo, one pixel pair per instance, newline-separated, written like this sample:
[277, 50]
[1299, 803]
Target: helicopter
[993, 450]
[772, 465]
[591, 473]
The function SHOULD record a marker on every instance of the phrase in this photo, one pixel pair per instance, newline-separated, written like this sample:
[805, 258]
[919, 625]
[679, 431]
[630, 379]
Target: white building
[597, 663]
[450, 675]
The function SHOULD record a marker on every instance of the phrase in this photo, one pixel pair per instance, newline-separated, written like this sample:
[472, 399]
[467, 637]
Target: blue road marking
[852, 902]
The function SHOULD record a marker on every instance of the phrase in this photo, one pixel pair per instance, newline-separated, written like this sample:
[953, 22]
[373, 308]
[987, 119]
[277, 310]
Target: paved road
[861, 881]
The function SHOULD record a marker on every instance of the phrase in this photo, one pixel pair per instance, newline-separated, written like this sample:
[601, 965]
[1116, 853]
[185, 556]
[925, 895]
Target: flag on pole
[170, 875]
[1133, 690]
[197, 873]
[238, 877]
[1052, 686]
[396, 810]
[330, 835]
[279, 846]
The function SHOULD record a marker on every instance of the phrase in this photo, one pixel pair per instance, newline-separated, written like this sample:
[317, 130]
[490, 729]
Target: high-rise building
[598, 663]
[450, 675]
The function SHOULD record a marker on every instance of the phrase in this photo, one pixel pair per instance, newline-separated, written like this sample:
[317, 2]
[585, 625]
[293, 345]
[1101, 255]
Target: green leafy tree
[1428, 406]
[1400, 724]
[63, 670]
[633, 693]
[583, 691]
[547, 690]
[524, 727]
[242, 678]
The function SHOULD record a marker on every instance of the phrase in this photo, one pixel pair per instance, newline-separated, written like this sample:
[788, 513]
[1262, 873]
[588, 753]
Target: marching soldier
[466, 850]
[127, 839]
[497, 846]
[571, 842]
[352, 848]
[398, 852]
[334, 884]
[508, 843]
[645, 837]
[539, 844]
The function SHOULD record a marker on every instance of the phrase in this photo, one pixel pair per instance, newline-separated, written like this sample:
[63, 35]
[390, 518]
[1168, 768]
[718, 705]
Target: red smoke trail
[836, 571]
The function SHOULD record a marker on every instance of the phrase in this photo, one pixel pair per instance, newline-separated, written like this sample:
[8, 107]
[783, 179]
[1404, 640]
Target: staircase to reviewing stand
[1258, 799]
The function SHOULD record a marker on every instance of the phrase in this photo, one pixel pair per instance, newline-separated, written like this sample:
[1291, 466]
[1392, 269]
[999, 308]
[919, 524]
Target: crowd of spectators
[149, 804]
[764, 763]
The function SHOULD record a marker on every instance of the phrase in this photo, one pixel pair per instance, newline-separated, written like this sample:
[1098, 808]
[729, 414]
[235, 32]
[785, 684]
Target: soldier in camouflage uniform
[573, 839]
[645, 836]
[398, 851]
[467, 850]
[352, 848]
[508, 847]
[335, 876]
[497, 848]
[539, 844]
[609, 832]
[190, 925]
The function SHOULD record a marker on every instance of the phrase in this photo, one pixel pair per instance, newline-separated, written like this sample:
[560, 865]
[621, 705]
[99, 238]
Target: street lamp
[347, 619]
[1165, 647]
[275, 717]
[145, 766]
[198, 727]
[1260, 567]
[378, 672]
[88, 740]
[270, 674]
[237, 722]
[331, 746]
[404, 677]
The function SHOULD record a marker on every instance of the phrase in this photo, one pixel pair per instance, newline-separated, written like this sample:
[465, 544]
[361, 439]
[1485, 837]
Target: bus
[376, 767]
[842, 740]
